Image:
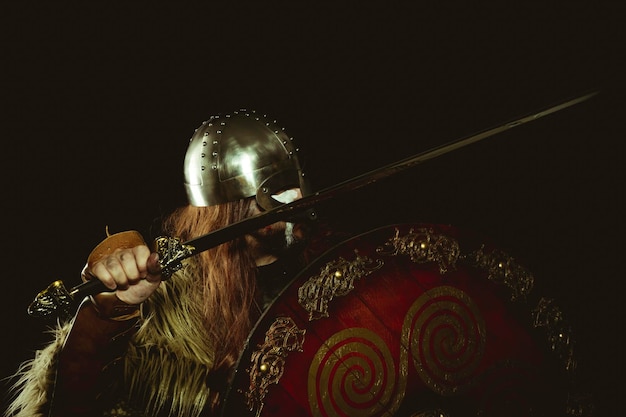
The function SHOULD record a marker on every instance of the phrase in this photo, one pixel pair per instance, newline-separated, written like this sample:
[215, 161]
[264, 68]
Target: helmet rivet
[206, 133]
[265, 190]
[214, 166]
[219, 132]
[214, 154]
[204, 143]
[214, 142]
[202, 155]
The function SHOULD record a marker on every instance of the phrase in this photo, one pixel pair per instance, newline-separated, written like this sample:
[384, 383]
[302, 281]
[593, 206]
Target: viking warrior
[164, 347]
[409, 319]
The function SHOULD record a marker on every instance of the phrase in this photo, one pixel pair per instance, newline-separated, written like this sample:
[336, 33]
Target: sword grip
[57, 300]
[92, 287]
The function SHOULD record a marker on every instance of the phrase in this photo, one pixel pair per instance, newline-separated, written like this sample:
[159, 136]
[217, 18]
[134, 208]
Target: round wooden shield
[413, 320]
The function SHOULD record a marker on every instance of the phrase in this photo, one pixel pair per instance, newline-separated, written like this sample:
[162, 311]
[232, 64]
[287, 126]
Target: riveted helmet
[240, 155]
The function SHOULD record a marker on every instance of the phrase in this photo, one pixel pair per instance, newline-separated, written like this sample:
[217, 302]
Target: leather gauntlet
[107, 304]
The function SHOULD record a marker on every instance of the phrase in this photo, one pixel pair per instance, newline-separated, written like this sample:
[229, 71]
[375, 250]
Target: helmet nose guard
[240, 155]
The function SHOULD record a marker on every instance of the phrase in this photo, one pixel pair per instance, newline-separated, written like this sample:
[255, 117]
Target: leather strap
[107, 304]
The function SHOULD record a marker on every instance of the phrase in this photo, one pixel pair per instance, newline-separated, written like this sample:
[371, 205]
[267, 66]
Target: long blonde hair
[226, 274]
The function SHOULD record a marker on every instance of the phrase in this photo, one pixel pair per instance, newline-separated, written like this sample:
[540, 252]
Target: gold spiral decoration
[446, 334]
[352, 374]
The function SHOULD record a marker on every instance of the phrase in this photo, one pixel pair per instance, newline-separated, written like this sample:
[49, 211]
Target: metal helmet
[240, 155]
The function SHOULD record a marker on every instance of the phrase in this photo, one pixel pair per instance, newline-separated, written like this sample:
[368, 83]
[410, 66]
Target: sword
[57, 299]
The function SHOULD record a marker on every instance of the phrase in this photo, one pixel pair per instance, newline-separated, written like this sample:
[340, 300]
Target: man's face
[273, 240]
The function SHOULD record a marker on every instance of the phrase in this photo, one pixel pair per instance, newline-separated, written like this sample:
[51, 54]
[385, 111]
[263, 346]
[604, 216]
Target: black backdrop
[100, 101]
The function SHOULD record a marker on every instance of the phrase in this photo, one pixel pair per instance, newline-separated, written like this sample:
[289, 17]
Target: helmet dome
[240, 155]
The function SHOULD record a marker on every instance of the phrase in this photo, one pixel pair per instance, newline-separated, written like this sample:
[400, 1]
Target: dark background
[99, 102]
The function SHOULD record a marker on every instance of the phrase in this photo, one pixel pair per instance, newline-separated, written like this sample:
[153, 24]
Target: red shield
[408, 320]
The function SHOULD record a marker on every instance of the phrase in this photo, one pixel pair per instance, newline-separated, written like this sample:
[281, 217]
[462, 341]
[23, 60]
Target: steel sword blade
[300, 206]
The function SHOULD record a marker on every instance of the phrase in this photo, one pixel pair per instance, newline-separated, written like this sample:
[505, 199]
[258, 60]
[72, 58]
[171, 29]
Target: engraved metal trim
[171, 252]
[559, 333]
[55, 298]
[267, 363]
[335, 279]
[424, 245]
[503, 268]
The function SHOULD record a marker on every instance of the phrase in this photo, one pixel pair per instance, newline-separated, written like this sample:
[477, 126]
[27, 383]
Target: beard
[281, 238]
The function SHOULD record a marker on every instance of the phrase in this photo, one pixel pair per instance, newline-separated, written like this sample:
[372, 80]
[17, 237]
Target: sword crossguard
[171, 252]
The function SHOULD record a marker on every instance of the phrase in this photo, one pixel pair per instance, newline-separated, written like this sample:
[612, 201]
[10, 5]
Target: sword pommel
[55, 299]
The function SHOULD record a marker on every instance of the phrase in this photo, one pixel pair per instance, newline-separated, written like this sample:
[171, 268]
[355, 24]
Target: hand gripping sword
[56, 299]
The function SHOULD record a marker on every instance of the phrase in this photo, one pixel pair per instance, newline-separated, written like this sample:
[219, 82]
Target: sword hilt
[57, 300]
